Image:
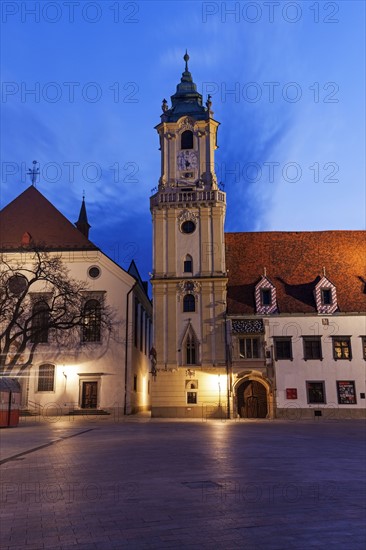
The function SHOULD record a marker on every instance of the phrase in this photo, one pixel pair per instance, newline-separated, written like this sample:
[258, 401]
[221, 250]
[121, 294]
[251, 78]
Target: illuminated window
[190, 351]
[342, 347]
[91, 321]
[315, 392]
[186, 140]
[283, 347]
[188, 264]
[249, 348]
[46, 377]
[189, 303]
[312, 347]
[40, 319]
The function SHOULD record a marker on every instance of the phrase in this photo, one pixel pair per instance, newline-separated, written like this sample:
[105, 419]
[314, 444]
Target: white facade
[300, 387]
[91, 368]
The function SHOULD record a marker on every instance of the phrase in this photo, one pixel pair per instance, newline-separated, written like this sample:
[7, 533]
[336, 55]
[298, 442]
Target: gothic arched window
[186, 140]
[189, 303]
[190, 350]
[40, 319]
[188, 264]
[91, 321]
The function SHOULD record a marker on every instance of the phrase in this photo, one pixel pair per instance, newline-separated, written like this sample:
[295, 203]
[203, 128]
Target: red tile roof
[32, 213]
[294, 263]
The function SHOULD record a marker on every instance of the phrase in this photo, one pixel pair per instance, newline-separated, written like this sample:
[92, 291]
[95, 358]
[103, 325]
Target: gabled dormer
[325, 296]
[265, 297]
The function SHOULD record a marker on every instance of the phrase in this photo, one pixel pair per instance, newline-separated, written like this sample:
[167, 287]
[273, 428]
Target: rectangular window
[249, 348]
[150, 334]
[135, 382]
[283, 347]
[326, 296]
[191, 398]
[342, 347]
[136, 322]
[312, 347]
[266, 296]
[187, 266]
[142, 313]
[346, 392]
[46, 377]
[146, 332]
[191, 351]
[363, 338]
[316, 392]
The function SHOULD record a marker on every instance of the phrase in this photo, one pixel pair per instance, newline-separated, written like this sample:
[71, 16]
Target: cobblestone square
[94, 483]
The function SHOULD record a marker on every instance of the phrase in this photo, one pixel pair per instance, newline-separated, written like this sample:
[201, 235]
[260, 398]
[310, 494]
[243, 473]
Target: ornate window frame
[321, 307]
[265, 284]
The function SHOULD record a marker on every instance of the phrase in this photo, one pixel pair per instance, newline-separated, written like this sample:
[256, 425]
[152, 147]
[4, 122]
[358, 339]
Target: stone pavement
[98, 483]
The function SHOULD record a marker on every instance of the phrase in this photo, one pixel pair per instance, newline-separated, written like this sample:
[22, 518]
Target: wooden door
[89, 395]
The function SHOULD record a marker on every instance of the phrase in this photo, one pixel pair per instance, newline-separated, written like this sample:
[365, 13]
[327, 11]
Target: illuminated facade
[189, 275]
[97, 370]
[251, 325]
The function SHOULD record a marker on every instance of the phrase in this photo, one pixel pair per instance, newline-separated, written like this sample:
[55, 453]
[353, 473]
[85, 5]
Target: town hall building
[246, 325]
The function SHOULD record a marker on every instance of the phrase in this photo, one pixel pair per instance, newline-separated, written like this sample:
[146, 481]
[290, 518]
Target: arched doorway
[252, 399]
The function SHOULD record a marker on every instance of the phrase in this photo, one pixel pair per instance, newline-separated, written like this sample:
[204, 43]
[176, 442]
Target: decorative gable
[265, 297]
[325, 296]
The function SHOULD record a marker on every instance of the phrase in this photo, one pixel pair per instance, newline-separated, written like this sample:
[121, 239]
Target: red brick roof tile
[32, 213]
[294, 263]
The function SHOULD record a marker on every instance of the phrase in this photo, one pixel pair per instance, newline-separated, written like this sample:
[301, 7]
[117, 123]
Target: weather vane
[33, 173]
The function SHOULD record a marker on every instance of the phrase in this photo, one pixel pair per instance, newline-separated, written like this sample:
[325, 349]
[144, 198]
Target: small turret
[82, 223]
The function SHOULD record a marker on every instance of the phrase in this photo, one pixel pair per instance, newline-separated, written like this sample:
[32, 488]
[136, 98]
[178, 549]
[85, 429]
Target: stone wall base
[203, 412]
[292, 413]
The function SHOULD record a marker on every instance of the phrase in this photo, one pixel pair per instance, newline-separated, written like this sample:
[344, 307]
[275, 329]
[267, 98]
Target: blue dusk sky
[82, 89]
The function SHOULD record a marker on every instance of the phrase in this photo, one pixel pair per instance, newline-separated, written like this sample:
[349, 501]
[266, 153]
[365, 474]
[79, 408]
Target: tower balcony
[181, 197]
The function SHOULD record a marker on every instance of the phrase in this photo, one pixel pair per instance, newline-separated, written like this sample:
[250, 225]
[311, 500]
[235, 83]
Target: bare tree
[40, 302]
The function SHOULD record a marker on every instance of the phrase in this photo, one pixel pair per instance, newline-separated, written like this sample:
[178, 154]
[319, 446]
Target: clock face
[187, 160]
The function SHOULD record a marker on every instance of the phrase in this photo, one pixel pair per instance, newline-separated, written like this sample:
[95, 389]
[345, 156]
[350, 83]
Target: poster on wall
[291, 393]
[346, 392]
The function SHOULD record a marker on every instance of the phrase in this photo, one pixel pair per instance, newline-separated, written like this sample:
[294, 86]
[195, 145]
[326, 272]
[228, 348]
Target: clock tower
[189, 275]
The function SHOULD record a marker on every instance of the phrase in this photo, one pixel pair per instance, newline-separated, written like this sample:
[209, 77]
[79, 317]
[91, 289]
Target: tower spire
[82, 224]
[186, 100]
[186, 59]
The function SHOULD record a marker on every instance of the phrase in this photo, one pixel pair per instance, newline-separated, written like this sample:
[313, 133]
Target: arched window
[188, 264]
[186, 140]
[91, 321]
[40, 319]
[46, 377]
[189, 303]
[190, 350]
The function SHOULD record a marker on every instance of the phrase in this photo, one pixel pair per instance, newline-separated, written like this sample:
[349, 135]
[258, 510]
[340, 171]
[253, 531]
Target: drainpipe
[228, 368]
[126, 347]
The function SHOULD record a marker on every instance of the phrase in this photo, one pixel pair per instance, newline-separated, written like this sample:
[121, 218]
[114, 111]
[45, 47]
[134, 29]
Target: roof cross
[33, 173]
